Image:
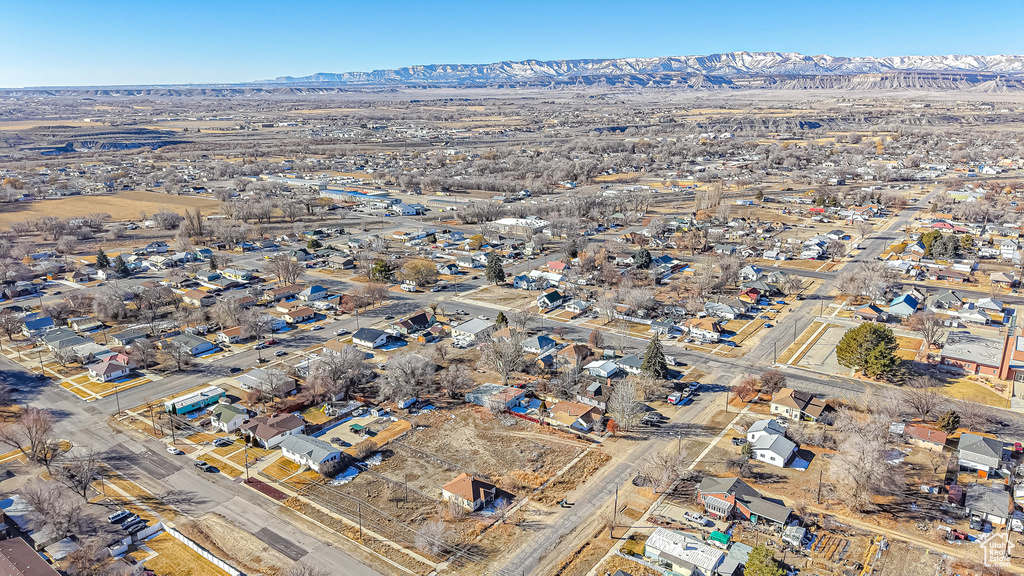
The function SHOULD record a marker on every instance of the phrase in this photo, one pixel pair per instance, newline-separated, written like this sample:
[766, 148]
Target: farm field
[122, 206]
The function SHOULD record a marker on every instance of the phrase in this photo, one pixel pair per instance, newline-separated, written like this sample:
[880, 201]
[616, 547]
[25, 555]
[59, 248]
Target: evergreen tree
[500, 321]
[642, 260]
[382, 271]
[314, 244]
[871, 348]
[654, 364]
[495, 273]
[949, 422]
[213, 262]
[761, 562]
[102, 262]
[121, 267]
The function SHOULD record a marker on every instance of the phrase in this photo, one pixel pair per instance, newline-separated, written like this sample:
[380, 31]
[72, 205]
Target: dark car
[234, 370]
[389, 317]
[129, 520]
[739, 441]
[137, 527]
[977, 524]
[204, 466]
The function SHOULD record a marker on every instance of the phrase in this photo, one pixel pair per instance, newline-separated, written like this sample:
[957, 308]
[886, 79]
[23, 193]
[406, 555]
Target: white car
[341, 332]
[173, 450]
[317, 327]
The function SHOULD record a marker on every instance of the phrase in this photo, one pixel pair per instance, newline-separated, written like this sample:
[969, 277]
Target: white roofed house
[314, 292]
[683, 553]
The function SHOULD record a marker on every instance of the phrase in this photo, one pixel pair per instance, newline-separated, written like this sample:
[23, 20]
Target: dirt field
[123, 206]
[236, 547]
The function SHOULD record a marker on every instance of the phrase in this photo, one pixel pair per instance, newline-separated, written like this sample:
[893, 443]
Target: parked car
[317, 327]
[222, 442]
[271, 342]
[234, 370]
[173, 450]
[204, 466]
[280, 353]
[340, 332]
[129, 520]
[389, 317]
[739, 441]
[767, 325]
[118, 517]
[137, 527]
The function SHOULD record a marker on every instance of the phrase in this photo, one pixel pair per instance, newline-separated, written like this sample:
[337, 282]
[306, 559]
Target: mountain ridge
[726, 65]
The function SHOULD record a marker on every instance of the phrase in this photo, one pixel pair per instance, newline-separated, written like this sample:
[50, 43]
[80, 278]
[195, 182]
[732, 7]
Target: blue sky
[81, 42]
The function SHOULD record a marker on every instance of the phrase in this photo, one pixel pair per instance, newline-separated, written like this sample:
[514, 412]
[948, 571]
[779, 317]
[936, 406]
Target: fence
[204, 553]
[122, 546]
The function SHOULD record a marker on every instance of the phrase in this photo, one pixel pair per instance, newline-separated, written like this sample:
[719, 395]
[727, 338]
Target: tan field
[123, 206]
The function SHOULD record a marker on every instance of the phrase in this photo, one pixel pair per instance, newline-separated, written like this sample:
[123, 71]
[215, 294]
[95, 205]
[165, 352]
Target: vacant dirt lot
[123, 206]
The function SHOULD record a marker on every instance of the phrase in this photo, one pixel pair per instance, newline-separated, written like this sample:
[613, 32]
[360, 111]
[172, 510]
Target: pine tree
[870, 347]
[642, 260]
[495, 273]
[102, 262]
[761, 562]
[314, 244]
[949, 422]
[654, 364]
[382, 271]
[121, 267]
[500, 321]
[213, 262]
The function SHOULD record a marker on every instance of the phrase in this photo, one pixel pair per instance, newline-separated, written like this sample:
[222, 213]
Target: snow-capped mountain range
[730, 65]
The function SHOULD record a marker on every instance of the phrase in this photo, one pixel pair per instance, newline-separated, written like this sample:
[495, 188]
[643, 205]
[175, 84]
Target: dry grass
[583, 469]
[174, 558]
[123, 206]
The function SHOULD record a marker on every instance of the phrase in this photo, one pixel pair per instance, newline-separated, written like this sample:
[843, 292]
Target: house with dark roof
[369, 338]
[269, 431]
[472, 493]
[549, 300]
[871, 313]
[730, 498]
[798, 405]
[903, 306]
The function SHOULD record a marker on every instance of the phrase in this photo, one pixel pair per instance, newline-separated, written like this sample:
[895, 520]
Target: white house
[314, 292]
[472, 329]
[602, 368]
[369, 338]
[228, 417]
[308, 451]
[769, 444]
[108, 370]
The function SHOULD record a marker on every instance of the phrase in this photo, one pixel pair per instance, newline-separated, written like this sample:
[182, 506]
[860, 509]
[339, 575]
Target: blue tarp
[799, 463]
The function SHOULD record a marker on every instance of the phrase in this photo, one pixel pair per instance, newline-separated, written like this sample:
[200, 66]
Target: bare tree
[521, 319]
[405, 376]
[334, 373]
[624, 405]
[922, 401]
[928, 324]
[54, 506]
[181, 355]
[455, 379]
[861, 469]
[659, 471]
[77, 471]
[434, 537]
[772, 381]
[284, 268]
[64, 356]
[142, 353]
[504, 357]
[10, 324]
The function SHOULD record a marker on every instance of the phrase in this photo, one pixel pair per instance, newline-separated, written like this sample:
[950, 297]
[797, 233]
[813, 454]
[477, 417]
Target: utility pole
[818, 499]
[775, 352]
[245, 446]
[615, 511]
[359, 512]
[117, 399]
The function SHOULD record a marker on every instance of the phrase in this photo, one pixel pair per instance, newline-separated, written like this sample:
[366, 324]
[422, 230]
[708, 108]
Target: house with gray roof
[729, 498]
[630, 364]
[305, 450]
[538, 344]
[992, 504]
[981, 453]
[769, 443]
[228, 417]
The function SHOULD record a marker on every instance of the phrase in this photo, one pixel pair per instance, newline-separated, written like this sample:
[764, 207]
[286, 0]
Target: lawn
[122, 206]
